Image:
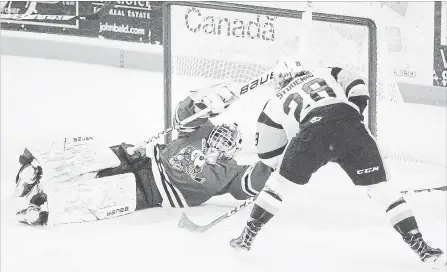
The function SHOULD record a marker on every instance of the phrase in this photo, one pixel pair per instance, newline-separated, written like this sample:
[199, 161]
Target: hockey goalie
[81, 179]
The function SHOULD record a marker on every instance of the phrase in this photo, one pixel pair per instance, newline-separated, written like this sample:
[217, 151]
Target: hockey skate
[28, 176]
[36, 214]
[245, 240]
[432, 256]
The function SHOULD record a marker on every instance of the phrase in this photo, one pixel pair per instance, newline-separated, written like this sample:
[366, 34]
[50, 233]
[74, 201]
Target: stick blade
[187, 224]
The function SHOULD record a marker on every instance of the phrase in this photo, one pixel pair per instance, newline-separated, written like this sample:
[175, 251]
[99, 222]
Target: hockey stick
[94, 16]
[186, 223]
[131, 150]
[441, 188]
[253, 84]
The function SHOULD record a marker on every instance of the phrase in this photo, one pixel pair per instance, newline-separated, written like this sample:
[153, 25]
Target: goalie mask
[284, 71]
[224, 141]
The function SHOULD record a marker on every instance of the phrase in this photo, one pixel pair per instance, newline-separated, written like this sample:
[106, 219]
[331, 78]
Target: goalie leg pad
[90, 199]
[69, 158]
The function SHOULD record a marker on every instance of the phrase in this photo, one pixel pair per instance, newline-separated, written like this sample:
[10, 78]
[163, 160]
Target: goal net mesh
[208, 45]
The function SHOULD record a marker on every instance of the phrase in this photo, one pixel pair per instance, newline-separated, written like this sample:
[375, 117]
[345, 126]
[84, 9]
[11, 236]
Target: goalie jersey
[317, 97]
[182, 178]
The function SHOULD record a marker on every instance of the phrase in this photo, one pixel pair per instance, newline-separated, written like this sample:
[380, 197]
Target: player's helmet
[226, 139]
[285, 70]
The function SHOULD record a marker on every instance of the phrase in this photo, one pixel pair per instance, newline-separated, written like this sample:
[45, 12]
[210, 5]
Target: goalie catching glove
[216, 98]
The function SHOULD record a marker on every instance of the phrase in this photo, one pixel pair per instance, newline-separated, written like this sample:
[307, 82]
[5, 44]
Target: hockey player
[320, 111]
[78, 179]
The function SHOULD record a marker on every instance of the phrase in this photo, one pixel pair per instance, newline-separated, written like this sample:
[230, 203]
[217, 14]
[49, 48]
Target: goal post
[206, 42]
[209, 42]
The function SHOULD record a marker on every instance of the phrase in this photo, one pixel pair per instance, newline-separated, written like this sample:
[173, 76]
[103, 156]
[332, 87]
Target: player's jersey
[185, 179]
[317, 97]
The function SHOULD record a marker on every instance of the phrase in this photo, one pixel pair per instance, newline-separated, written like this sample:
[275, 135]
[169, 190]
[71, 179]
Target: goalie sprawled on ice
[80, 179]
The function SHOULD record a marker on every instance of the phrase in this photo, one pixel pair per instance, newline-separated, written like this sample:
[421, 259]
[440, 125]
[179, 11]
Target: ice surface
[326, 226]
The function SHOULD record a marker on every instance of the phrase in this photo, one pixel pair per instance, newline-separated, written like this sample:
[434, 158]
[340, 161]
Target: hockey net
[207, 43]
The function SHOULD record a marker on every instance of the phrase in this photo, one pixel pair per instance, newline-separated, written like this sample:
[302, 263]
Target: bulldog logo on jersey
[191, 161]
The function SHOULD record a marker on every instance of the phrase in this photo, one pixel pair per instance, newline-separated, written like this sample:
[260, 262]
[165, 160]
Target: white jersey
[304, 101]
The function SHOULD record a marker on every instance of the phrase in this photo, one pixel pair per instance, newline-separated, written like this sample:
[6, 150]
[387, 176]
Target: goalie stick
[94, 16]
[131, 150]
[187, 224]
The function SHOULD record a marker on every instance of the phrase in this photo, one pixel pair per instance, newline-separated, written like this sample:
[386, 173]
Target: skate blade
[439, 263]
[241, 249]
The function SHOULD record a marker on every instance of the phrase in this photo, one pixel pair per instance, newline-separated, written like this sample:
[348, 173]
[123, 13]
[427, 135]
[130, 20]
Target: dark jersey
[184, 179]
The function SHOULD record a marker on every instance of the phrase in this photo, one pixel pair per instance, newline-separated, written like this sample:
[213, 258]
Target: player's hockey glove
[361, 102]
